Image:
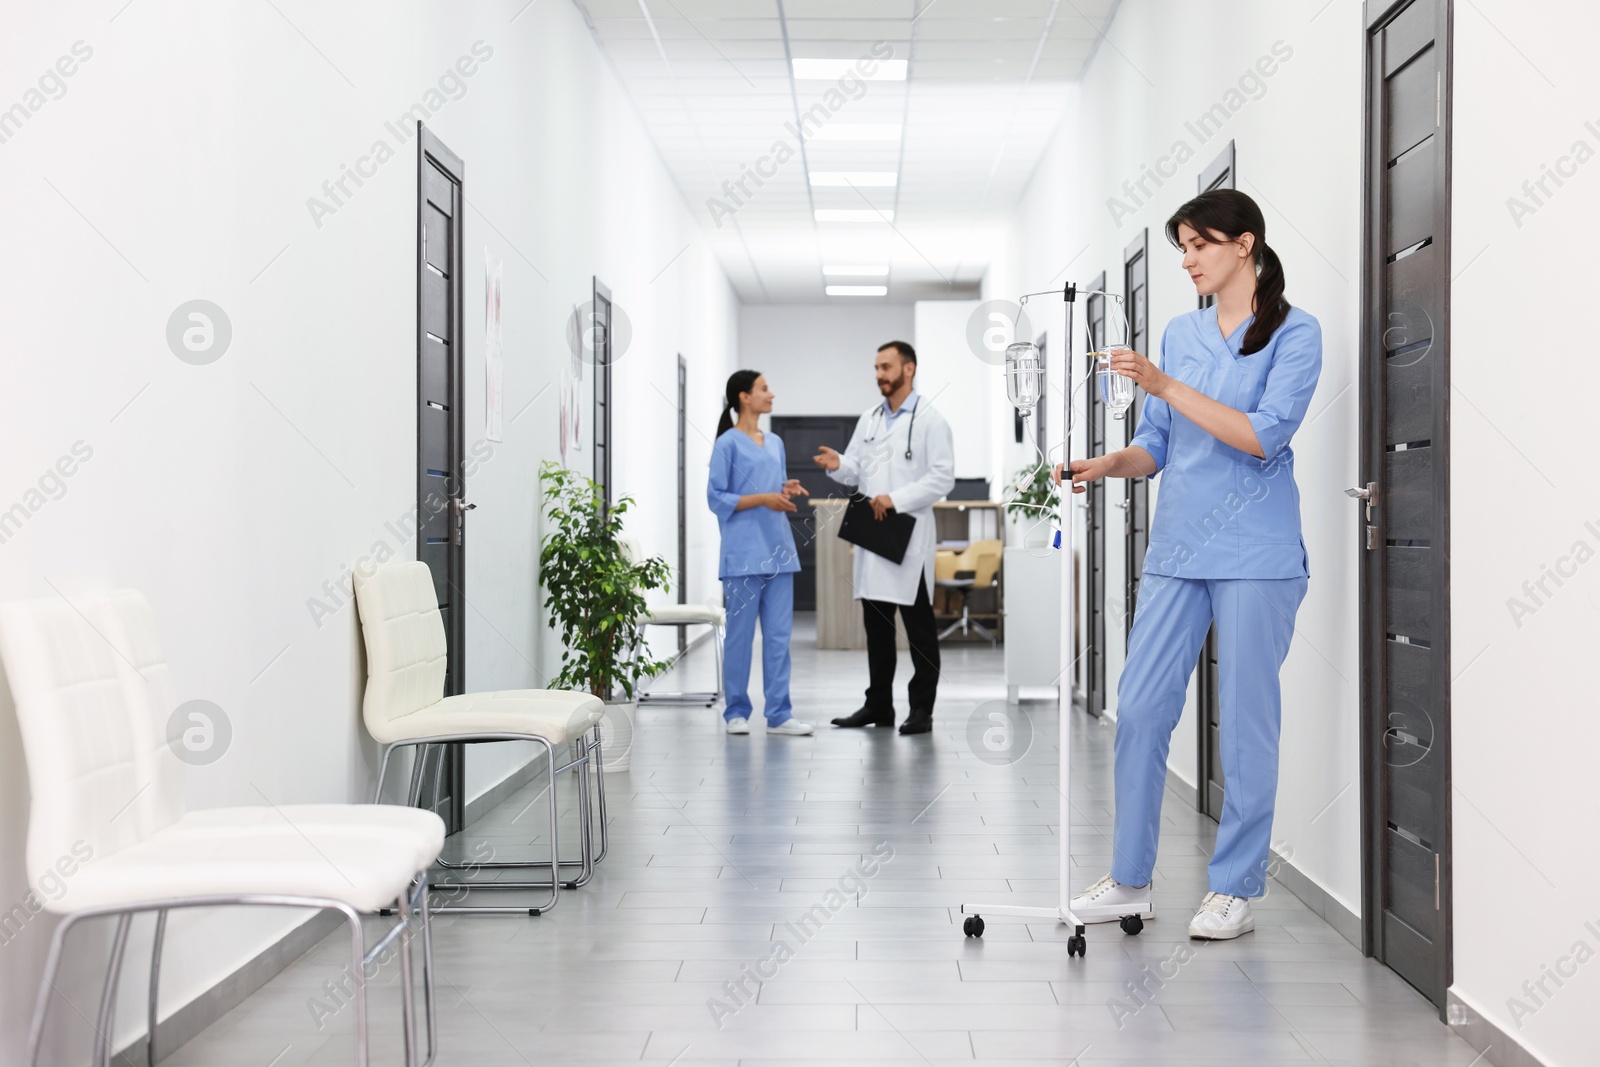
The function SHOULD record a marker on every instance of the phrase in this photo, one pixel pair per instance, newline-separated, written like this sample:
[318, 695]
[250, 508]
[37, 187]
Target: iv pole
[972, 925]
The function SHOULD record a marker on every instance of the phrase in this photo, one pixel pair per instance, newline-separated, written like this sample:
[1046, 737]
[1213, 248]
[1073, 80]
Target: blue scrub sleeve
[721, 496]
[1296, 365]
[1155, 423]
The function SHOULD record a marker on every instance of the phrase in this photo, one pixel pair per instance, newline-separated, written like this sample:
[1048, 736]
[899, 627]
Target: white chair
[680, 616]
[93, 697]
[405, 706]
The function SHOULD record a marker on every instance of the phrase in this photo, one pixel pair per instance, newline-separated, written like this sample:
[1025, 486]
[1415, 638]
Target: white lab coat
[880, 466]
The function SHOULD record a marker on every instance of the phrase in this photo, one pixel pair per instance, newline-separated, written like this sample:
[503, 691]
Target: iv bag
[1024, 375]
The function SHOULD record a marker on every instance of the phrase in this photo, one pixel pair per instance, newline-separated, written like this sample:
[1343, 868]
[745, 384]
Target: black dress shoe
[865, 717]
[917, 724]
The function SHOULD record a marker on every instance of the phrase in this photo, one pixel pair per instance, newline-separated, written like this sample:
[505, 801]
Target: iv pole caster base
[972, 926]
[1077, 944]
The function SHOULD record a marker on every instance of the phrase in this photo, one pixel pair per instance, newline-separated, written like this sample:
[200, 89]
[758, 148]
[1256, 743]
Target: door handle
[1368, 495]
[460, 507]
[1123, 504]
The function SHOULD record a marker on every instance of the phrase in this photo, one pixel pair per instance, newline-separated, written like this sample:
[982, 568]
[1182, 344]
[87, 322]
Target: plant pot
[616, 734]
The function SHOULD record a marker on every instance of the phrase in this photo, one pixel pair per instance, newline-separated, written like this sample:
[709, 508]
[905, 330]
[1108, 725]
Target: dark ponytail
[1224, 215]
[740, 381]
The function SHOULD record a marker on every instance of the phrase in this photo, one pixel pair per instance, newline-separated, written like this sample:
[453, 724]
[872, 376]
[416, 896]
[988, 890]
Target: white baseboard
[1497, 1046]
[1329, 909]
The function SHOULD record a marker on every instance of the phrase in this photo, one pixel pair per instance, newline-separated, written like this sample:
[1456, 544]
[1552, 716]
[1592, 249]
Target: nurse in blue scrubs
[751, 498]
[1232, 388]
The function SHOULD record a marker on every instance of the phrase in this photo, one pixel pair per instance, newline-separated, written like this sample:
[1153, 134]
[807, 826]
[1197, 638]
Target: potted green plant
[595, 592]
[1033, 497]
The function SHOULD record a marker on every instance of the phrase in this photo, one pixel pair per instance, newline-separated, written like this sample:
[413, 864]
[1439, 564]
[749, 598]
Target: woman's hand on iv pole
[826, 458]
[1146, 375]
[1084, 471]
[793, 488]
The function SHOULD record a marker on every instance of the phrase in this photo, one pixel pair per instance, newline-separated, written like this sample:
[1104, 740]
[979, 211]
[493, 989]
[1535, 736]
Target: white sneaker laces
[1217, 904]
[1104, 885]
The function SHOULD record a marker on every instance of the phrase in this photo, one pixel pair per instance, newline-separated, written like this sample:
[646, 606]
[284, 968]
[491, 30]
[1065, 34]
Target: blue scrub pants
[771, 600]
[1255, 623]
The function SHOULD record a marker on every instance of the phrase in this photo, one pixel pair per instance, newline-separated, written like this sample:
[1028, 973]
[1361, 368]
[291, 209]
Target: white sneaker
[738, 726]
[1221, 917]
[791, 727]
[1109, 900]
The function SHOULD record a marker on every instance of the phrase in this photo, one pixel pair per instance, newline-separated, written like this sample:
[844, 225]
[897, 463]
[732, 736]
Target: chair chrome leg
[408, 993]
[41, 1007]
[419, 768]
[554, 863]
[427, 970]
[716, 640]
[105, 1042]
[383, 769]
[358, 961]
[600, 794]
[155, 986]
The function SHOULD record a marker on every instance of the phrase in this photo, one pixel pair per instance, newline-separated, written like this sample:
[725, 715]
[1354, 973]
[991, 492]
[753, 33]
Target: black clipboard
[888, 537]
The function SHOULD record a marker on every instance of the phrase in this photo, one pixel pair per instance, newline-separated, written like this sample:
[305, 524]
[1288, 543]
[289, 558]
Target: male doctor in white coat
[901, 457]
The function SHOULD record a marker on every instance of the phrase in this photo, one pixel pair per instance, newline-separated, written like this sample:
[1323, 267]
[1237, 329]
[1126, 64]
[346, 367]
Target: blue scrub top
[1223, 513]
[756, 540]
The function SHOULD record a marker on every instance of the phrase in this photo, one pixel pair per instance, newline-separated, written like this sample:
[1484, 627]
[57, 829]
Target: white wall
[817, 357]
[1523, 701]
[177, 165]
[1297, 155]
[818, 360]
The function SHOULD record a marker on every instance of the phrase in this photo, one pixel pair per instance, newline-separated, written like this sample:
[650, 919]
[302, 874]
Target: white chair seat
[366, 872]
[690, 614]
[420, 831]
[556, 715]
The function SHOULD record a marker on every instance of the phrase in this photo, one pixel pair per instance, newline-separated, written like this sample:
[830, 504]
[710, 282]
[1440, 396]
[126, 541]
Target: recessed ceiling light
[853, 214]
[827, 70]
[855, 179]
[858, 290]
[857, 131]
[877, 270]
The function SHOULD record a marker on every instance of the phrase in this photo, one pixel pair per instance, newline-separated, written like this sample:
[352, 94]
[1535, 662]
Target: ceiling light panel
[853, 214]
[812, 69]
[854, 179]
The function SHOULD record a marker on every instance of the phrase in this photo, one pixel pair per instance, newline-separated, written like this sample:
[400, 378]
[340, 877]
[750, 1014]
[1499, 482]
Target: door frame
[1094, 507]
[1373, 449]
[432, 152]
[1135, 491]
[604, 396]
[1220, 173]
[683, 495]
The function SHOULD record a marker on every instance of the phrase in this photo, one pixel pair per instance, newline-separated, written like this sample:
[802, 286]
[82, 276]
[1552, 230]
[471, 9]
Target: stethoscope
[912, 428]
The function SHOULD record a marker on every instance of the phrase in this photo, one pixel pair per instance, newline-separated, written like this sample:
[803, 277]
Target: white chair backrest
[92, 695]
[404, 635]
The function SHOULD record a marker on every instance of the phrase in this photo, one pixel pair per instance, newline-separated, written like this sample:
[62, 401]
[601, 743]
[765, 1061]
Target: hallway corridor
[718, 842]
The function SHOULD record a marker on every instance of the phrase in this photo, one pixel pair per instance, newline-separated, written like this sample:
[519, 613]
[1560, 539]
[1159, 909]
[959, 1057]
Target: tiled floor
[718, 843]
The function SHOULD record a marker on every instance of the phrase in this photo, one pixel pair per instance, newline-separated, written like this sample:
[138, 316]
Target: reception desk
[838, 614]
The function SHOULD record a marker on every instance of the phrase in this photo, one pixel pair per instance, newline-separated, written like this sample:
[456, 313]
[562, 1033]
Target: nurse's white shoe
[738, 726]
[1109, 900]
[1221, 917]
[791, 727]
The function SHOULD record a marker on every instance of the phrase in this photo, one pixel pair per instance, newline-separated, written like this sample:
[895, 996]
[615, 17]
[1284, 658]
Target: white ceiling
[986, 86]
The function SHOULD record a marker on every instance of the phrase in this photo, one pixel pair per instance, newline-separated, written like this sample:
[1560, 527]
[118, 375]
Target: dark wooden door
[683, 494]
[1094, 503]
[1404, 496]
[441, 477]
[1135, 501]
[801, 435]
[600, 337]
[1221, 174]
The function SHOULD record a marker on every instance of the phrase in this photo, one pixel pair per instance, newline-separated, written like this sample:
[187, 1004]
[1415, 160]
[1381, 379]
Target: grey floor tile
[718, 844]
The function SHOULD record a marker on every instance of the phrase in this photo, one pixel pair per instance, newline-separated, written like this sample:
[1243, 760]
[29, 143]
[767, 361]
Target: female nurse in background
[748, 494]
[1233, 386]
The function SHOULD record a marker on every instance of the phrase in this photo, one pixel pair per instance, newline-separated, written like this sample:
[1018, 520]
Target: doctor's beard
[887, 386]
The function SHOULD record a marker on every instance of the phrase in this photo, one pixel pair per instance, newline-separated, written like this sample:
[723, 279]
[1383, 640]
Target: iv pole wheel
[1077, 944]
[972, 926]
[1132, 924]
